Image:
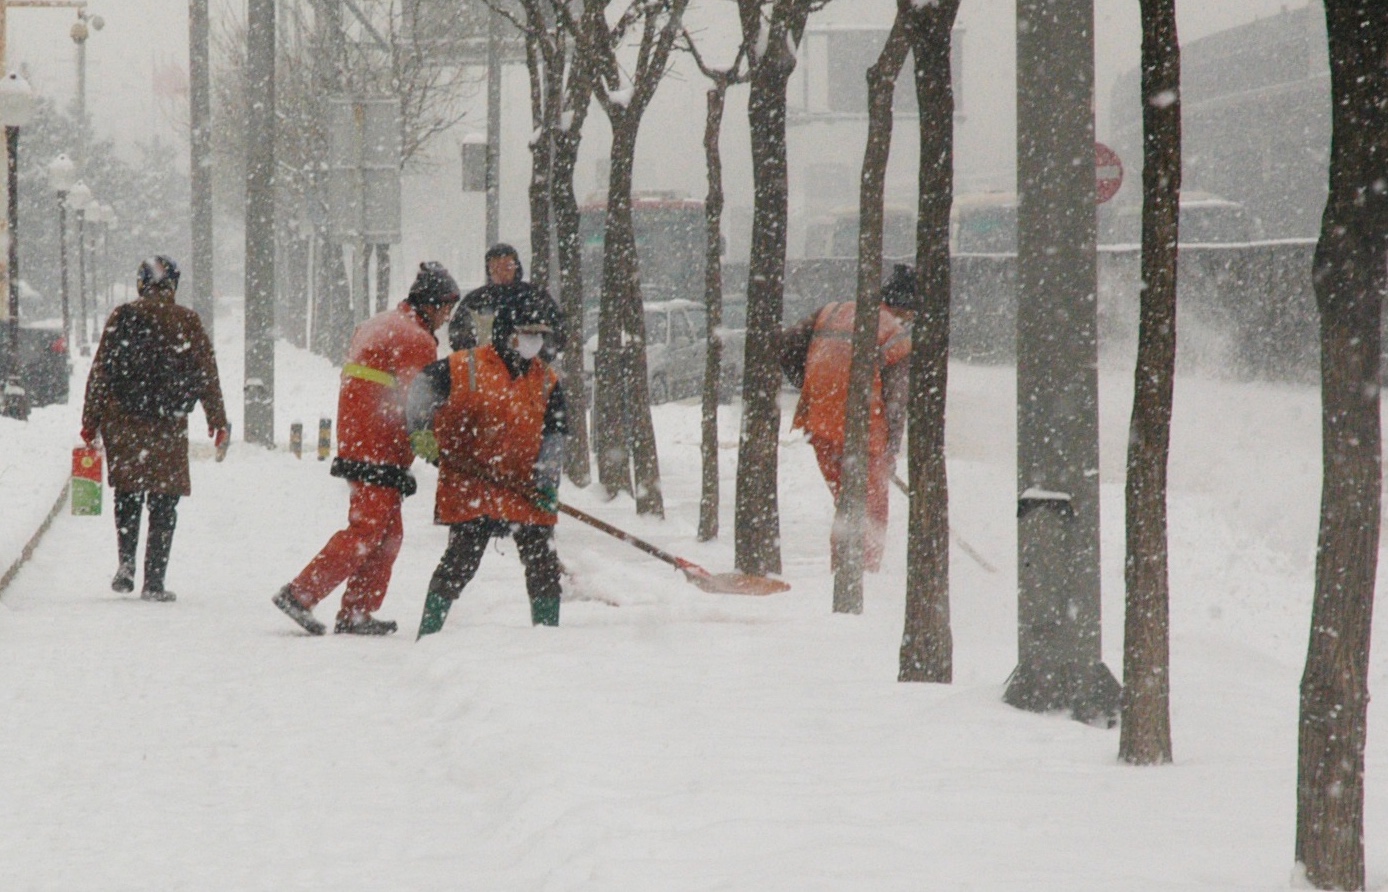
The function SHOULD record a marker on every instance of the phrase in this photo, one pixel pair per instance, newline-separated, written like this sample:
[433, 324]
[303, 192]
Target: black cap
[157, 270]
[433, 286]
[501, 249]
[899, 292]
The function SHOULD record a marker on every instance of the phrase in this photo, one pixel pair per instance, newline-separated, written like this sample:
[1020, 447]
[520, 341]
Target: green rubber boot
[544, 611]
[435, 612]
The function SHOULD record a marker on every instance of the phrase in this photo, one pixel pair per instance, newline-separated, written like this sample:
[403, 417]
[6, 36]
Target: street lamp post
[80, 198]
[62, 176]
[16, 109]
[103, 215]
[81, 30]
[106, 259]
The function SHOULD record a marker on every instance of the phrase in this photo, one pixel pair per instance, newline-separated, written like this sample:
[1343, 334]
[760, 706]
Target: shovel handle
[688, 567]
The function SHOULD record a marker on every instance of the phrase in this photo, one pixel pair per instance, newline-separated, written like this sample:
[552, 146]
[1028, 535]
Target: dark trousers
[163, 517]
[468, 541]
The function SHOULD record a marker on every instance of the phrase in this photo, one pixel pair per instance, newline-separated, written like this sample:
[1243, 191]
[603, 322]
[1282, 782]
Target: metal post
[62, 266]
[79, 35]
[16, 400]
[493, 128]
[1060, 661]
[363, 283]
[260, 223]
[200, 271]
[83, 341]
[382, 277]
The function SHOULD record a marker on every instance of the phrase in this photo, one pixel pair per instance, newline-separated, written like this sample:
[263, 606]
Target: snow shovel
[716, 583]
[959, 540]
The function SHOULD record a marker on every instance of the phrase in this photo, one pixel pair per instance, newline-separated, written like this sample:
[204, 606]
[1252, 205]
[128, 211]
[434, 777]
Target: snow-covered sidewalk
[661, 737]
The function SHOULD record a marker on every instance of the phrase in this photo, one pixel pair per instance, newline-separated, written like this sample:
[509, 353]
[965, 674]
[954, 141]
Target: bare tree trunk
[757, 523]
[851, 508]
[622, 398]
[1349, 277]
[1145, 737]
[543, 104]
[713, 305]
[576, 463]
[927, 646]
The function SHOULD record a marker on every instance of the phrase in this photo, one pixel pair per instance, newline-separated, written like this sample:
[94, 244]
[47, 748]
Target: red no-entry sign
[1108, 173]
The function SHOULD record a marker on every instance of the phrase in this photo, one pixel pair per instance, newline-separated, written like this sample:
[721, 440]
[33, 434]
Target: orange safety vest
[824, 396]
[496, 422]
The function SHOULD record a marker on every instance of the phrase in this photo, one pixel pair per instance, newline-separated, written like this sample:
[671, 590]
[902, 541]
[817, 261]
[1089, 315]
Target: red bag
[86, 481]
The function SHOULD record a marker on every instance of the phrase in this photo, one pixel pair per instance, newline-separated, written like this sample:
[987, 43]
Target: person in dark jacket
[505, 285]
[153, 364]
[492, 418]
[374, 457]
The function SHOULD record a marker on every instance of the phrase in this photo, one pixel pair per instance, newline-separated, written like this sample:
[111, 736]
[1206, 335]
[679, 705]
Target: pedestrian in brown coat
[153, 364]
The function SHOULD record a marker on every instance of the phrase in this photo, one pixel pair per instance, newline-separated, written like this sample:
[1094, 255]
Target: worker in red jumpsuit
[816, 354]
[374, 457]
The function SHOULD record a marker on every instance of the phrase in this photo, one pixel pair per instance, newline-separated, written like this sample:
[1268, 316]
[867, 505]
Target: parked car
[676, 351]
[44, 366]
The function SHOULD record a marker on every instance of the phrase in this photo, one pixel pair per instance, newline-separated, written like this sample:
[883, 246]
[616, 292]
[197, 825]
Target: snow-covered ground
[661, 737]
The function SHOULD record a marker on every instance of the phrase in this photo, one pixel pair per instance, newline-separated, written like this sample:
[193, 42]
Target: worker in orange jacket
[816, 355]
[493, 419]
[387, 352]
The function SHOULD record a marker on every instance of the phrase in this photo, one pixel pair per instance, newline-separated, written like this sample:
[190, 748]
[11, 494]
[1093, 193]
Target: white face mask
[529, 345]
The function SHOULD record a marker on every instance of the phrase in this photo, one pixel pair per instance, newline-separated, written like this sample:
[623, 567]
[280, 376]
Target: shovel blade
[737, 583]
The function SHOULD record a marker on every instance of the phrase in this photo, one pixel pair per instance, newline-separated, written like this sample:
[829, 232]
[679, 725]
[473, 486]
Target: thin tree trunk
[1145, 737]
[713, 305]
[576, 463]
[1349, 278]
[623, 398]
[927, 645]
[757, 523]
[851, 509]
[542, 105]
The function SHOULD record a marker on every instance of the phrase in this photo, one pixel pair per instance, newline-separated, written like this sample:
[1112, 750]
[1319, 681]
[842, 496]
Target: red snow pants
[363, 554]
[880, 464]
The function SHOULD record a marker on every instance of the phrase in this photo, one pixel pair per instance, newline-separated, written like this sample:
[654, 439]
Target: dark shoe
[284, 599]
[363, 624]
[157, 595]
[124, 580]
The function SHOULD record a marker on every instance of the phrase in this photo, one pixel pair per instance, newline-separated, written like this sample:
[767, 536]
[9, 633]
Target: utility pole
[260, 223]
[200, 271]
[493, 127]
[1060, 660]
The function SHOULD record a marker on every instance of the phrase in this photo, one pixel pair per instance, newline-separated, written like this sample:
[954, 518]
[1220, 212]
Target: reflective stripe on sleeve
[366, 373]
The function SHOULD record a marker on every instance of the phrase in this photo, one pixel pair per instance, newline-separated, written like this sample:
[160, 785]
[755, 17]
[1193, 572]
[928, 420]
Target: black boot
[124, 580]
[294, 609]
[163, 517]
[363, 624]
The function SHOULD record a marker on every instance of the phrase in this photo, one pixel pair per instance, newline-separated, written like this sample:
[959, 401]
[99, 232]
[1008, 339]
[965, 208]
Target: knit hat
[155, 271]
[899, 292]
[433, 286]
[528, 311]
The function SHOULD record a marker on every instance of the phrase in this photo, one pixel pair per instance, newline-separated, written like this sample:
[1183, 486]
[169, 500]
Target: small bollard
[325, 438]
[296, 439]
